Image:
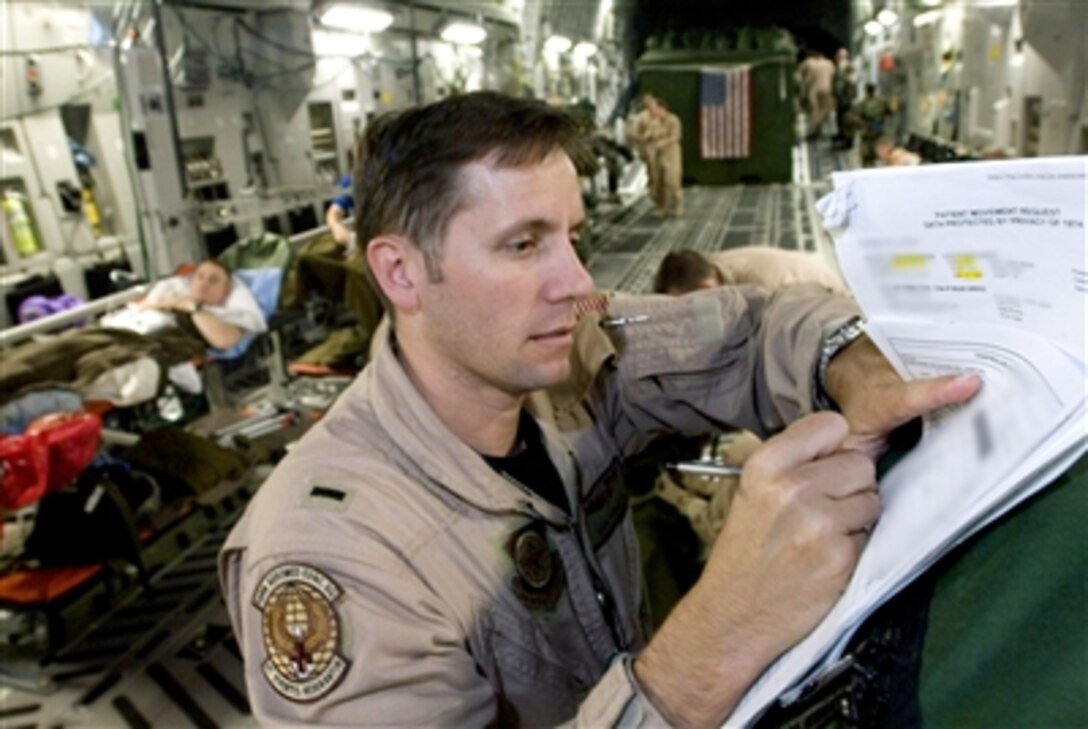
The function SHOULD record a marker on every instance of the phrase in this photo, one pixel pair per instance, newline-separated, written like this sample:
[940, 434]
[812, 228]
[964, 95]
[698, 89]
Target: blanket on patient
[79, 357]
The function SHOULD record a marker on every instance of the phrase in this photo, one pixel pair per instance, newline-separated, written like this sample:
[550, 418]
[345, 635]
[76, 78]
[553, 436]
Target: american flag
[724, 113]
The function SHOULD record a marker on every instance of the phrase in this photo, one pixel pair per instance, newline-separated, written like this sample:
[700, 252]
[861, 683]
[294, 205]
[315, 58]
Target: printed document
[975, 267]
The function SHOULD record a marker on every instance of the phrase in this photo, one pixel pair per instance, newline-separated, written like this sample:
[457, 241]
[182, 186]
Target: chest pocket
[533, 639]
[524, 655]
[529, 673]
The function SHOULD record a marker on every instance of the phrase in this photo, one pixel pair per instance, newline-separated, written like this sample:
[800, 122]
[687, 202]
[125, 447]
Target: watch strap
[833, 343]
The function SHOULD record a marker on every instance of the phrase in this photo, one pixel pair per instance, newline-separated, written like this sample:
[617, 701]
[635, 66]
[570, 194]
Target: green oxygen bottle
[19, 223]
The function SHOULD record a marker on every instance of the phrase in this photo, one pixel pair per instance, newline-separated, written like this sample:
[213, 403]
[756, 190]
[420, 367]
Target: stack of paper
[973, 267]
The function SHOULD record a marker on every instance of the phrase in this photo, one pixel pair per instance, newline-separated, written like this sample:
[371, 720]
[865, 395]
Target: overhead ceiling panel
[573, 18]
[242, 6]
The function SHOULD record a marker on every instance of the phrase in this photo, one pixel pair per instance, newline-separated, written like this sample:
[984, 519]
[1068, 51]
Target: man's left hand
[875, 400]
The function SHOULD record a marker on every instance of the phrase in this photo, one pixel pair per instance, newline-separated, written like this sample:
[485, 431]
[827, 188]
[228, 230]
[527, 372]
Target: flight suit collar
[445, 460]
[592, 349]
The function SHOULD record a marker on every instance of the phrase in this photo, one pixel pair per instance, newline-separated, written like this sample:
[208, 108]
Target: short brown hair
[683, 271]
[409, 162]
[222, 266]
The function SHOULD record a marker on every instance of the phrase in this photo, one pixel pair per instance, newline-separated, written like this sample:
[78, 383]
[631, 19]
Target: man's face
[503, 314]
[209, 285]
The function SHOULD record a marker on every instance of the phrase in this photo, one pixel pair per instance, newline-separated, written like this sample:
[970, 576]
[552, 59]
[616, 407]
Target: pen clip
[615, 322]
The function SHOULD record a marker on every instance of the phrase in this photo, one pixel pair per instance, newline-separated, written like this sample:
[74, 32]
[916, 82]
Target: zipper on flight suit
[604, 597]
[600, 588]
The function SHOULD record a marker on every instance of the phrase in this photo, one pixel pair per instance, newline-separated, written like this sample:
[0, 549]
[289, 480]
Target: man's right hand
[795, 531]
[334, 219]
[341, 235]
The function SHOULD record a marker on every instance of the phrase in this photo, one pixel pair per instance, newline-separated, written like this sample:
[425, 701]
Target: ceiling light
[557, 44]
[873, 28]
[353, 17]
[926, 18]
[584, 49]
[463, 32]
[887, 17]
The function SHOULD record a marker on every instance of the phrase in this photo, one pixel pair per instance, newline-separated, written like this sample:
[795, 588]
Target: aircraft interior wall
[266, 102]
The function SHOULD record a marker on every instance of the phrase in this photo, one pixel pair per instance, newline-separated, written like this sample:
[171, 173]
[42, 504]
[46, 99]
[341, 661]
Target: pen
[706, 468]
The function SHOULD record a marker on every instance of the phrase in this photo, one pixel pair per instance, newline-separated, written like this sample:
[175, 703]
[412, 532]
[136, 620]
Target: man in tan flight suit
[682, 271]
[639, 128]
[666, 158]
[817, 73]
[433, 553]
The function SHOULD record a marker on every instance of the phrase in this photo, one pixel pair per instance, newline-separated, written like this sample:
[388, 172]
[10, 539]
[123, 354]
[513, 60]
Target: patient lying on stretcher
[218, 307]
[179, 319]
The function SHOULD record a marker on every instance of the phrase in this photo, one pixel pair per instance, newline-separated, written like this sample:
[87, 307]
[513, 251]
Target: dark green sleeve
[1007, 641]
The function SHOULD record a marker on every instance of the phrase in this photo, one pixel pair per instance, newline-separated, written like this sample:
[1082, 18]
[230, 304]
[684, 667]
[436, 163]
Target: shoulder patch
[300, 626]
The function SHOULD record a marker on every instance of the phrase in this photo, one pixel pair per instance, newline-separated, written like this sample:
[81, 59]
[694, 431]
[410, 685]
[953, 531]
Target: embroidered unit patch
[301, 630]
[533, 559]
[538, 578]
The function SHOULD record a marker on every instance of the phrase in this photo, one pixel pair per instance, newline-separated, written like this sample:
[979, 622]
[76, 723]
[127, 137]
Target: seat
[329, 280]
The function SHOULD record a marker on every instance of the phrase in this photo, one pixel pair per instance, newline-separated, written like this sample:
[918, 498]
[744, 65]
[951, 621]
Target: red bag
[24, 471]
[71, 440]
